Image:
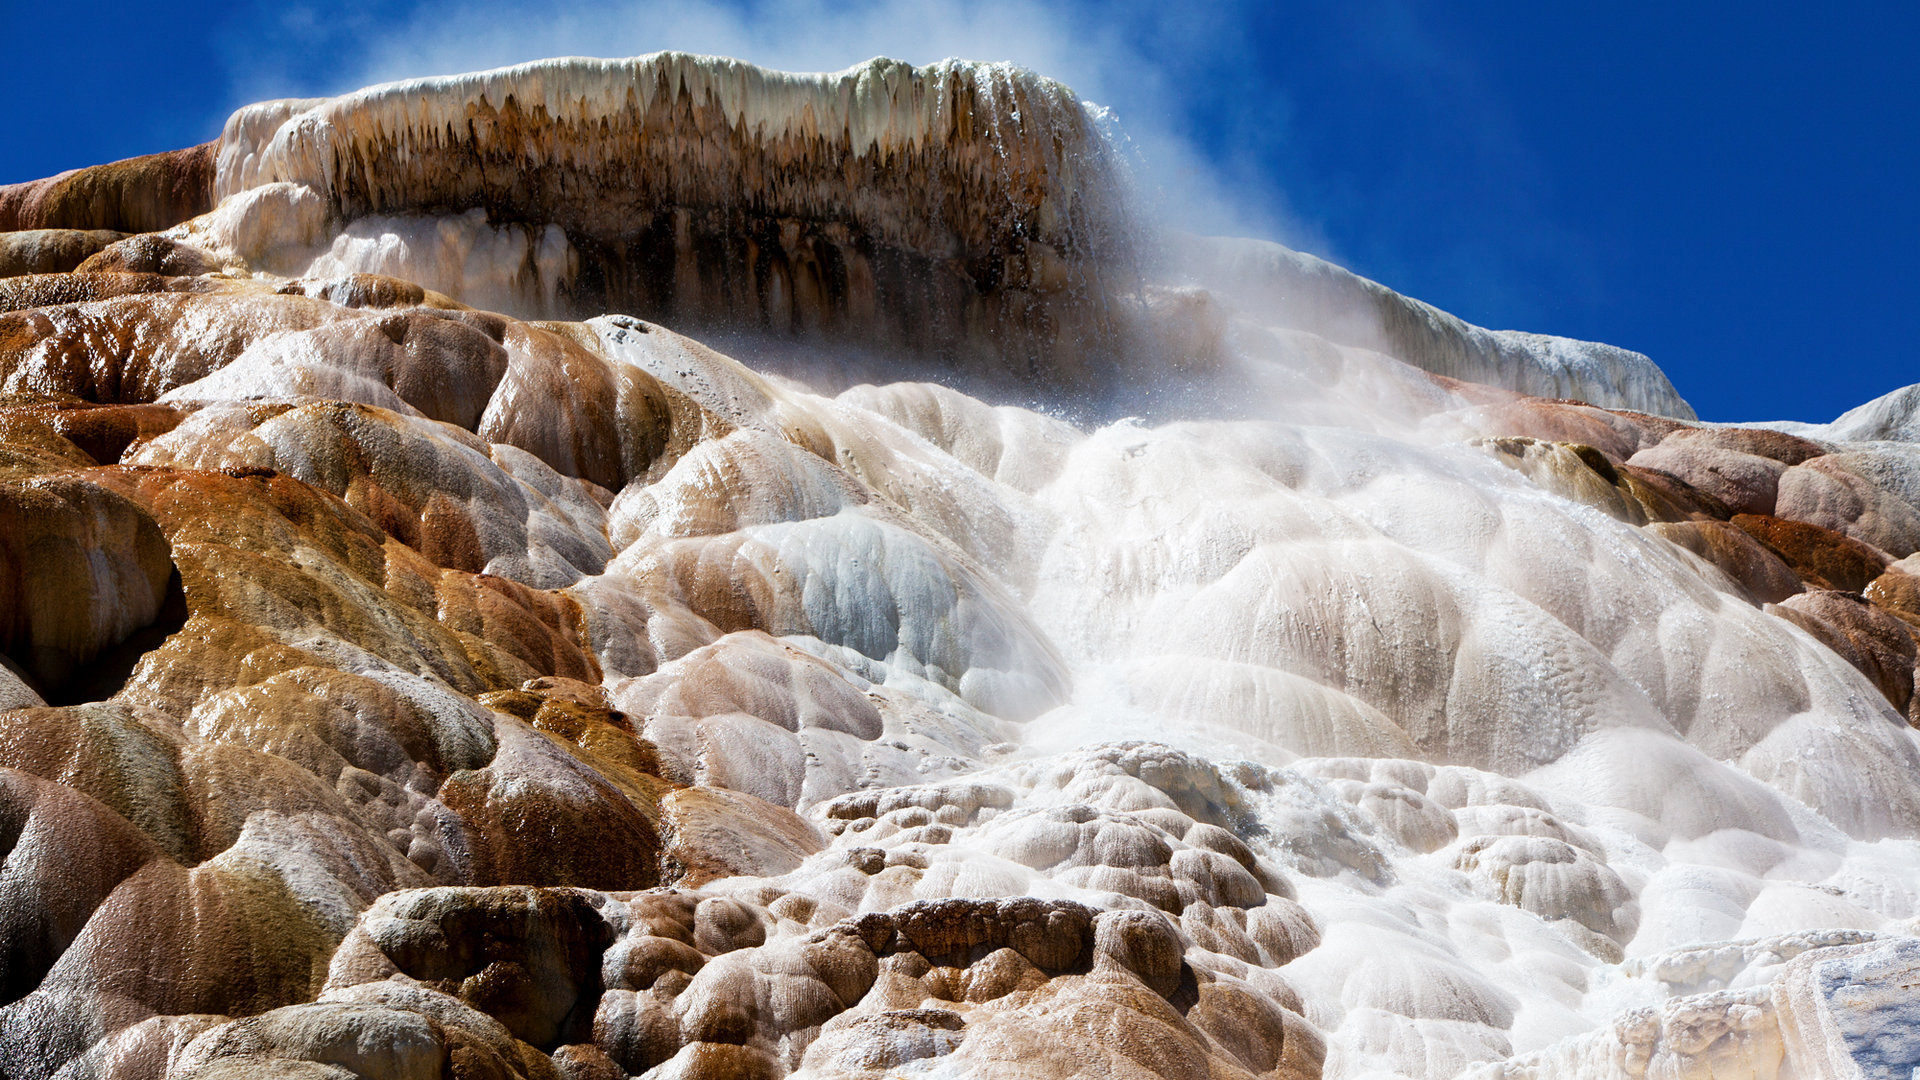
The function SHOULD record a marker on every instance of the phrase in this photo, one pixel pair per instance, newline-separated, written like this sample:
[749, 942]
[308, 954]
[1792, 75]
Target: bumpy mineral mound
[396, 684]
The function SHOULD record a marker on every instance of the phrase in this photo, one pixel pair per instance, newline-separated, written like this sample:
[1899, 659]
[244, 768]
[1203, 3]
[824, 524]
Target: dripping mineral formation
[425, 658]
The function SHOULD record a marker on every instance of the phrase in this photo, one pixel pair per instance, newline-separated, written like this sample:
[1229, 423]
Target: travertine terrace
[424, 657]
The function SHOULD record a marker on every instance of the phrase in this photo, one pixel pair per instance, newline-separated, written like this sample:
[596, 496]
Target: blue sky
[1730, 189]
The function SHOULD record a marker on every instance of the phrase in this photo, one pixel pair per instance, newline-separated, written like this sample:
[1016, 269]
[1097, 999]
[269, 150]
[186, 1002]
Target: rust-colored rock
[148, 254]
[82, 569]
[1824, 491]
[529, 958]
[1870, 639]
[50, 251]
[137, 195]
[1758, 442]
[1766, 578]
[1745, 483]
[103, 432]
[1617, 433]
[48, 290]
[1821, 558]
[539, 814]
[1669, 498]
[714, 833]
[361, 291]
[1896, 591]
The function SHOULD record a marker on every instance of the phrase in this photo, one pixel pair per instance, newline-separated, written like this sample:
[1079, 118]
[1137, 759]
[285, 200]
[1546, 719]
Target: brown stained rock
[890, 1039]
[539, 814]
[1248, 1026]
[1113, 1027]
[1573, 471]
[1824, 492]
[1745, 483]
[998, 974]
[1283, 930]
[578, 712]
[535, 632]
[713, 833]
[416, 358]
[1878, 644]
[1821, 558]
[1057, 936]
[435, 487]
[446, 369]
[236, 539]
[326, 721]
[615, 428]
[149, 253]
[226, 785]
[214, 939]
[1144, 943]
[16, 694]
[1896, 591]
[102, 432]
[364, 291]
[1669, 498]
[143, 339]
[529, 958]
[145, 1049]
[29, 444]
[82, 569]
[256, 511]
[1754, 567]
[1758, 442]
[585, 1061]
[140, 340]
[236, 535]
[20, 294]
[725, 589]
[103, 752]
[322, 604]
[1618, 434]
[639, 962]
[127, 338]
[324, 1039]
[206, 655]
[1702, 473]
[137, 195]
[604, 738]
[720, 1061]
[64, 854]
[50, 251]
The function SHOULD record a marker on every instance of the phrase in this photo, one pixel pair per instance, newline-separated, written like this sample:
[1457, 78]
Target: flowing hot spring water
[662, 567]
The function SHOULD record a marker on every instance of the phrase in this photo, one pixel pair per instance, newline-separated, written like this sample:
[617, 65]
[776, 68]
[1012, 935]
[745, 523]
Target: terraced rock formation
[420, 660]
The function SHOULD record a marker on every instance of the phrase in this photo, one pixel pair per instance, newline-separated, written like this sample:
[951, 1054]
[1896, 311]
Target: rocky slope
[422, 661]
